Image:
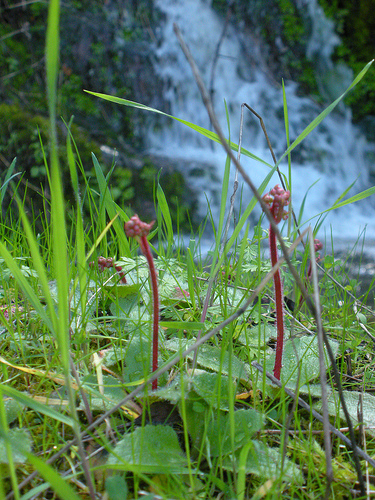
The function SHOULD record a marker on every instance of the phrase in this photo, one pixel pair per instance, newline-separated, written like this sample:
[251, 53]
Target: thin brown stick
[309, 302]
[224, 143]
[315, 414]
[322, 370]
[166, 367]
[262, 124]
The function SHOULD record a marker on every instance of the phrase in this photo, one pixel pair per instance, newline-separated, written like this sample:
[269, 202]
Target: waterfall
[333, 156]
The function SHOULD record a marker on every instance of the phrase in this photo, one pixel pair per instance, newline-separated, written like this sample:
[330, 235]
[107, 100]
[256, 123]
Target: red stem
[145, 249]
[279, 306]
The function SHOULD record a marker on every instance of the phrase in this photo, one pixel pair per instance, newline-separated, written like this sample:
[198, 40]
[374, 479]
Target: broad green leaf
[137, 362]
[211, 357]
[262, 461]
[12, 409]
[116, 488]
[300, 353]
[20, 442]
[151, 446]
[113, 392]
[182, 325]
[122, 290]
[213, 388]
[353, 404]
[246, 423]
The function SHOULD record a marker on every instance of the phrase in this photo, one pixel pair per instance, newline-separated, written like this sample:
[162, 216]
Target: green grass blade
[7, 179]
[35, 405]
[324, 113]
[79, 232]
[353, 199]
[166, 215]
[201, 130]
[112, 208]
[26, 287]
[8, 449]
[357, 197]
[52, 56]
[59, 484]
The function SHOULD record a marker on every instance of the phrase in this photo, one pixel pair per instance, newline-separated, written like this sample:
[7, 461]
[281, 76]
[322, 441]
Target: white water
[334, 154]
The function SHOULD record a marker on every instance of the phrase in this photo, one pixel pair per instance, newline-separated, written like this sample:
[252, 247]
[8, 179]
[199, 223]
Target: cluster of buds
[276, 200]
[10, 312]
[104, 263]
[135, 228]
[318, 245]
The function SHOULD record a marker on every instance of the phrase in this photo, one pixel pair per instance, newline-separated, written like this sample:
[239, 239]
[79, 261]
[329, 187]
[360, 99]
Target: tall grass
[77, 414]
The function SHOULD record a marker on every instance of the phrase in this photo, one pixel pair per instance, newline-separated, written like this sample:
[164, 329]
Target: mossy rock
[355, 25]
[25, 136]
[131, 182]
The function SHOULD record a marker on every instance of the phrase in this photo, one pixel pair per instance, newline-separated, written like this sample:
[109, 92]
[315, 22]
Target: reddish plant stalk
[279, 299]
[145, 249]
[135, 228]
[277, 199]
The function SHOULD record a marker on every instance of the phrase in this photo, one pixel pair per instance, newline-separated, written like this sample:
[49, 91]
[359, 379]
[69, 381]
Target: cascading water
[333, 155]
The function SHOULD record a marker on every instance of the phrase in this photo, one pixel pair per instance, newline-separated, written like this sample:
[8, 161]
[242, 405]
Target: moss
[355, 24]
[181, 199]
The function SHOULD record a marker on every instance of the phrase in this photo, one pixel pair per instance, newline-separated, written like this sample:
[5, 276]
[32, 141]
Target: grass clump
[78, 417]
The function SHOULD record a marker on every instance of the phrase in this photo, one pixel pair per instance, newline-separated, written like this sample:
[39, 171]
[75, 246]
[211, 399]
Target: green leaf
[12, 409]
[27, 289]
[324, 113]
[211, 357]
[113, 392]
[258, 459]
[20, 442]
[35, 405]
[302, 354]
[116, 488]
[153, 447]
[246, 424]
[123, 290]
[352, 400]
[182, 325]
[213, 388]
[137, 359]
[201, 130]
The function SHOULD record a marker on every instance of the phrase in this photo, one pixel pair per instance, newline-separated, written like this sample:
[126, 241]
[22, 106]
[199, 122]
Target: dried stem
[309, 302]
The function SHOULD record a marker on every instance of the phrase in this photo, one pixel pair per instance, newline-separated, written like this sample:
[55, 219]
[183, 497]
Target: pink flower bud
[135, 227]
